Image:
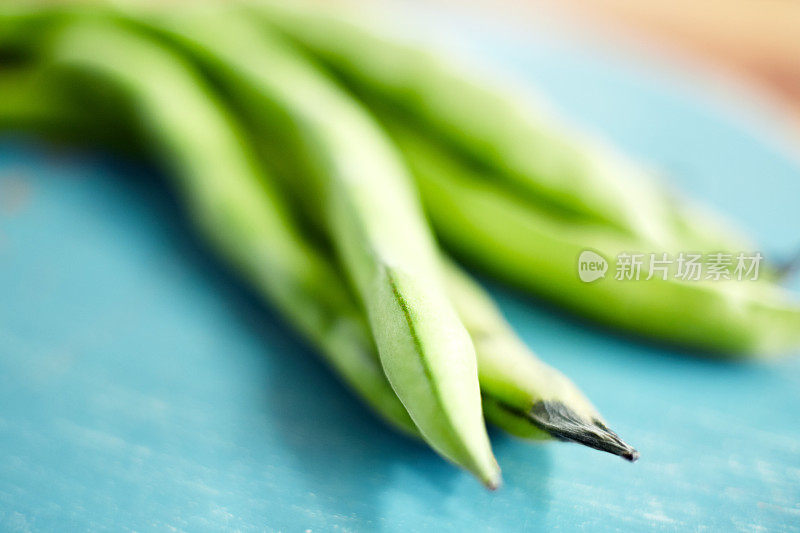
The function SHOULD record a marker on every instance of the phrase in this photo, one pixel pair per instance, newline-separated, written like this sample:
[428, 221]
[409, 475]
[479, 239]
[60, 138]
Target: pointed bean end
[632, 455]
[493, 483]
[489, 474]
[565, 424]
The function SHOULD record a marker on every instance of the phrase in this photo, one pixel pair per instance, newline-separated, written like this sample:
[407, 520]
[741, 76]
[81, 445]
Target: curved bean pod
[382, 238]
[517, 386]
[533, 152]
[227, 195]
[501, 234]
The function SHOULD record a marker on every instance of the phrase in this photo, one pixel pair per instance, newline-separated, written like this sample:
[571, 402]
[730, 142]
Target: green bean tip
[565, 424]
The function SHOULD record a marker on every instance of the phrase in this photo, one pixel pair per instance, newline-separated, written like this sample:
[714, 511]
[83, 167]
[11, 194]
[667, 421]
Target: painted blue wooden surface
[141, 387]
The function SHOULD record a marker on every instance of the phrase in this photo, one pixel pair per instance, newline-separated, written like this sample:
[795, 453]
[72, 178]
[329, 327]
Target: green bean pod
[349, 349]
[502, 234]
[521, 393]
[504, 362]
[227, 195]
[531, 150]
[378, 230]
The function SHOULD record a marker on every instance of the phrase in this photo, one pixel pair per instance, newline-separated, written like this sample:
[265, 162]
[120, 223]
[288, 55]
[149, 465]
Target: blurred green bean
[226, 193]
[491, 124]
[376, 226]
[504, 361]
[381, 235]
[503, 235]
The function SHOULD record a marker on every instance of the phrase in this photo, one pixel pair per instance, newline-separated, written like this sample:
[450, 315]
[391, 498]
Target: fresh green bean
[228, 197]
[532, 151]
[518, 386]
[19, 111]
[536, 155]
[522, 394]
[491, 228]
[505, 355]
[383, 241]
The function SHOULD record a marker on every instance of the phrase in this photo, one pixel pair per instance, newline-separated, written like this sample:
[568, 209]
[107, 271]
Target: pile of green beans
[496, 126]
[314, 185]
[242, 215]
[513, 191]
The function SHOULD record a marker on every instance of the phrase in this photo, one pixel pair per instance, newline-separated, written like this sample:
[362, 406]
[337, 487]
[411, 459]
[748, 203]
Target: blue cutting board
[143, 388]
